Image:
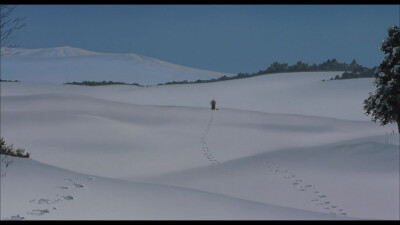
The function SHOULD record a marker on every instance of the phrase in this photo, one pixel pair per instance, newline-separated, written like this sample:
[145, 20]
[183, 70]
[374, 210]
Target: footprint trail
[206, 151]
[65, 196]
[320, 200]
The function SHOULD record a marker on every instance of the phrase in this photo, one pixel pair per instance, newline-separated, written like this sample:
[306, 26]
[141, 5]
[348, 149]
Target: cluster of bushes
[101, 83]
[358, 73]
[369, 73]
[276, 67]
[9, 150]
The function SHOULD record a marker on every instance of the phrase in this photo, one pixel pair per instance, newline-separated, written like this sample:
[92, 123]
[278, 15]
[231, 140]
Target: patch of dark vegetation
[101, 83]
[357, 71]
[11, 151]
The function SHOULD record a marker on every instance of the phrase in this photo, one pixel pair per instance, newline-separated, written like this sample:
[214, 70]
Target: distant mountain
[68, 64]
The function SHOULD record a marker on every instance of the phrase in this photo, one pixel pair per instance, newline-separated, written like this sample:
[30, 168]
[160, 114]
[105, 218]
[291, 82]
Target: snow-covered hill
[283, 146]
[67, 64]
[57, 194]
[288, 93]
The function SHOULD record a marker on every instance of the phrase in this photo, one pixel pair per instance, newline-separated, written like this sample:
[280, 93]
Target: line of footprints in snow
[206, 152]
[320, 199]
[58, 198]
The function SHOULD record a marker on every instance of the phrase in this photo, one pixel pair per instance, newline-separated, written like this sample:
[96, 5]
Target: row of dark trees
[221, 78]
[276, 67]
[352, 70]
[329, 65]
[370, 73]
[9, 80]
[101, 83]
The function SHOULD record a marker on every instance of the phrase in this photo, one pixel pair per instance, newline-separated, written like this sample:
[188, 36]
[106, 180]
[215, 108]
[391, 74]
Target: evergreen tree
[353, 64]
[384, 104]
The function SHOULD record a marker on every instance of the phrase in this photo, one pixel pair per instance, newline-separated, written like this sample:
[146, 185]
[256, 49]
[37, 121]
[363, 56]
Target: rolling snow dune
[59, 194]
[68, 64]
[288, 93]
[359, 176]
[124, 133]
[281, 146]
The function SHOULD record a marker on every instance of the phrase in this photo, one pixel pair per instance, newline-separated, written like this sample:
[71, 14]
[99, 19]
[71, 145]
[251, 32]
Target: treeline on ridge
[352, 70]
[101, 83]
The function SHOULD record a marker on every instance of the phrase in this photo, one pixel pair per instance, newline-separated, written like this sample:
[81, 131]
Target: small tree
[8, 25]
[384, 104]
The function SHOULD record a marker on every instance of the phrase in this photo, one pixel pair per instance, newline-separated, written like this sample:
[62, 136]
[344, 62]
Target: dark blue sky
[226, 38]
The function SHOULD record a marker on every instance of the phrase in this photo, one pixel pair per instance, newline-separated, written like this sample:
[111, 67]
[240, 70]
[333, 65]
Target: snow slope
[64, 195]
[68, 64]
[288, 93]
[160, 153]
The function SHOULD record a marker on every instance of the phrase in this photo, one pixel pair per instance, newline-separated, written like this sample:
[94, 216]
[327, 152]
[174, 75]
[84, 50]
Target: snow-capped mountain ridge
[65, 51]
[67, 64]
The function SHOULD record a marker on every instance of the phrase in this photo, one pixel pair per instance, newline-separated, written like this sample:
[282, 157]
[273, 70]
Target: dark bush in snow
[9, 150]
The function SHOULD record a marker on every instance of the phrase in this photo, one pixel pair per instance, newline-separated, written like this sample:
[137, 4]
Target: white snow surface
[280, 146]
[68, 64]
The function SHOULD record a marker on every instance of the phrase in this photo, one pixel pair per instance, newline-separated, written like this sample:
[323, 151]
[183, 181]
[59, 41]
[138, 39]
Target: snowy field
[280, 146]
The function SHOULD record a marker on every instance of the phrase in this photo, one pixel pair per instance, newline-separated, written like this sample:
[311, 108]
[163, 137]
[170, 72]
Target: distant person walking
[213, 102]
